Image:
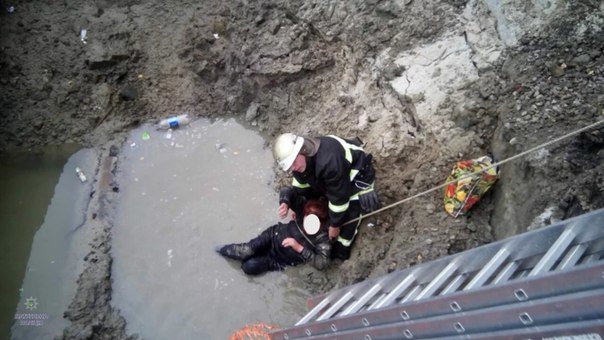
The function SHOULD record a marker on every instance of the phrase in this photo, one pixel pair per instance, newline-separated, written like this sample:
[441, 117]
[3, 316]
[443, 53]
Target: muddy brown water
[182, 193]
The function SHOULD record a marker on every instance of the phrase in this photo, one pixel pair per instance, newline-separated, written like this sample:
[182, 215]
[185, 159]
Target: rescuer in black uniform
[303, 240]
[336, 168]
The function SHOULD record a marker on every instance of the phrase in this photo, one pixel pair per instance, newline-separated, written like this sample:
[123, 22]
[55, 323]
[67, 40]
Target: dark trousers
[261, 261]
[341, 248]
[260, 264]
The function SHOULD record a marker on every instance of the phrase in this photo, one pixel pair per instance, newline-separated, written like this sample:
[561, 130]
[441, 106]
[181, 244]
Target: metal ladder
[547, 282]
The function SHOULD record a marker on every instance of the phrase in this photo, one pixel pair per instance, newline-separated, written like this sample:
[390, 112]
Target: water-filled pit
[182, 193]
[40, 283]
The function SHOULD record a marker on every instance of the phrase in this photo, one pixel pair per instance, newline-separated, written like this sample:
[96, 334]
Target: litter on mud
[83, 33]
[253, 332]
[173, 122]
[462, 195]
[80, 174]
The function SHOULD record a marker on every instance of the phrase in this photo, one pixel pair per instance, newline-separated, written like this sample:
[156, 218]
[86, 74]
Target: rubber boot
[236, 251]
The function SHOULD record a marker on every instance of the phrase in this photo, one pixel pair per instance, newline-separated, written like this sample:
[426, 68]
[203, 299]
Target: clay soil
[314, 68]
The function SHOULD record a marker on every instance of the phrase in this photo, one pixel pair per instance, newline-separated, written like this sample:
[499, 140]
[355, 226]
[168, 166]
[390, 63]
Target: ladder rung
[313, 312]
[507, 272]
[488, 269]
[591, 258]
[438, 281]
[573, 256]
[555, 251]
[412, 294]
[454, 285]
[357, 305]
[522, 274]
[394, 293]
[336, 306]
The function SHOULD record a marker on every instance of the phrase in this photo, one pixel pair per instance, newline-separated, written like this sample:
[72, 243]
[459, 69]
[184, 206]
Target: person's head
[286, 151]
[315, 215]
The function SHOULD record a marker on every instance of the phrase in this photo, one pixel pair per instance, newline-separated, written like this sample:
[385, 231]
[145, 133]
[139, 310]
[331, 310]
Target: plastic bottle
[173, 122]
[81, 175]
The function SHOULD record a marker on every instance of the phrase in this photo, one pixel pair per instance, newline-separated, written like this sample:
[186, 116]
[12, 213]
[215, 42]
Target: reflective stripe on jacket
[330, 172]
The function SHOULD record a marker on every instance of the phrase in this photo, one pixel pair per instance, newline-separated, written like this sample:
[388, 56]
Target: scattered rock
[557, 70]
[252, 112]
[582, 59]
[113, 151]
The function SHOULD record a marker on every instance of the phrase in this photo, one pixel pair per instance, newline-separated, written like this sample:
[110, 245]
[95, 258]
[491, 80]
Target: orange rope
[253, 332]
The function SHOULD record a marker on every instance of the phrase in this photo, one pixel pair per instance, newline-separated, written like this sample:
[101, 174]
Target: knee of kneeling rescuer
[340, 251]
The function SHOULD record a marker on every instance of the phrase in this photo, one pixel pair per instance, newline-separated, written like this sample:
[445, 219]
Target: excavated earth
[423, 83]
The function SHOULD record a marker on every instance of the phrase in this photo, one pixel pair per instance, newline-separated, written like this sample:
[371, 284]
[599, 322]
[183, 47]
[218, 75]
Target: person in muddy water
[337, 168]
[302, 240]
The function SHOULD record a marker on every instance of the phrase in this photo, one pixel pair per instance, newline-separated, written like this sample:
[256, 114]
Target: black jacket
[328, 172]
[316, 251]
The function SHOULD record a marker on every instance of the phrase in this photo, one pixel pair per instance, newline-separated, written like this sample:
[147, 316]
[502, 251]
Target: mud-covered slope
[423, 83]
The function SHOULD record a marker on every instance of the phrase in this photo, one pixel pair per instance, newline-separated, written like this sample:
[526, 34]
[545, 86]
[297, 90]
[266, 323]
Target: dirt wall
[422, 83]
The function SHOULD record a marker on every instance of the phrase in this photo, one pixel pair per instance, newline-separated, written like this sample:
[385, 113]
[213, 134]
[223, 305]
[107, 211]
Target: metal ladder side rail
[582, 229]
[408, 285]
[361, 297]
[424, 273]
[430, 276]
[387, 283]
[546, 262]
[340, 308]
[591, 329]
[550, 284]
[522, 246]
[543, 264]
[578, 306]
[368, 297]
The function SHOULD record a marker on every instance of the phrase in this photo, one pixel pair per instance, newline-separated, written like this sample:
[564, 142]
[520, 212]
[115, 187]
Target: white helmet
[286, 148]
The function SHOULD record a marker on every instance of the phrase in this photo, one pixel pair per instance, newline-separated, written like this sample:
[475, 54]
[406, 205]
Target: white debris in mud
[543, 220]
[481, 34]
[516, 17]
[433, 72]
[83, 33]
[539, 158]
[170, 256]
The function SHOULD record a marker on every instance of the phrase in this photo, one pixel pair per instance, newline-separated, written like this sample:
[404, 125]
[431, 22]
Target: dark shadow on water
[27, 181]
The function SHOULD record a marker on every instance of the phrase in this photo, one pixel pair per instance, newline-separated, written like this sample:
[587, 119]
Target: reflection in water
[182, 193]
[43, 289]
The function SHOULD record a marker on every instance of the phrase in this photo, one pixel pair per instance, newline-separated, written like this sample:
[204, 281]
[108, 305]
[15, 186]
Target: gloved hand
[369, 201]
